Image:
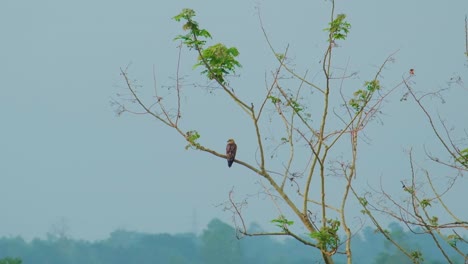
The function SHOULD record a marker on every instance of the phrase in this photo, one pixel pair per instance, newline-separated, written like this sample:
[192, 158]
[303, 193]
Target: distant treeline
[217, 244]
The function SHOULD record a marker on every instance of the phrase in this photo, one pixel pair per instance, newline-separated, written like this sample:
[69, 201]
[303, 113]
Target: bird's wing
[231, 150]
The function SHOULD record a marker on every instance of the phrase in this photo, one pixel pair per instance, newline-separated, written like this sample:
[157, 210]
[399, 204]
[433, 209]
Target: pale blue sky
[66, 155]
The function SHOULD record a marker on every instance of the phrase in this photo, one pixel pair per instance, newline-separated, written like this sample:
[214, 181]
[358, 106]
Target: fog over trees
[216, 244]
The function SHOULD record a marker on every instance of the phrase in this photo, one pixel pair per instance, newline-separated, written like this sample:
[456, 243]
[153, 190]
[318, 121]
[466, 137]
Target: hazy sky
[66, 155]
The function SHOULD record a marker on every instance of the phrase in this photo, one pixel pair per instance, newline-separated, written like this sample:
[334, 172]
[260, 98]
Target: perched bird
[231, 149]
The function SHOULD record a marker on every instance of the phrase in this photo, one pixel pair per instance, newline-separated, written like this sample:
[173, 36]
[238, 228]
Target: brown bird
[231, 149]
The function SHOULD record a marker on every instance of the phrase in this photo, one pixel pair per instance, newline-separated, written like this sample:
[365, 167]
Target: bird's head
[231, 140]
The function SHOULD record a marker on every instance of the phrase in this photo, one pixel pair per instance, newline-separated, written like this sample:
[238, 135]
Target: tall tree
[322, 126]
[219, 244]
[10, 261]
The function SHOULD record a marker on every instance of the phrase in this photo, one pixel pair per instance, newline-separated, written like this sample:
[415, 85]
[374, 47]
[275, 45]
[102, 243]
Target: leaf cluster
[192, 137]
[453, 239]
[425, 203]
[282, 222]
[218, 59]
[327, 237]
[295, 106]
[362, 96]
[191, 39]
[339, 28]
[274, 100]
[417, 256]
[434, 221]
[463, 158]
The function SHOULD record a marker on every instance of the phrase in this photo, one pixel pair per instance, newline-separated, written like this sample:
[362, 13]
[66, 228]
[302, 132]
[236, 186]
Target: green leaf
[434, 221]
[363, 201]
[327, 237]
[191, 39]
[372, 86]
[280, 56]
[417, 256]
[425, 203]
[274, 99]
[296, 106]
[282, 222]
[339, 28]
[192, 136]
[463, 158]
[186, 13]
[218, 61]
[453, 239]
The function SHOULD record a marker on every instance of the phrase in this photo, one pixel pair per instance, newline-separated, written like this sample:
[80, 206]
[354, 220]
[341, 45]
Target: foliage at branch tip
[192, 137]
[282, 222]
[362, 96]
[218, 59]
[274, 99]
[295, 106]
[191, 39]
[339, 28]
[280, 56]
[463, 159]
[434, 221]
[453, 239]
[425, 203]
[327, 237]
[363, 201]
[221, 61]
[417, 256]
